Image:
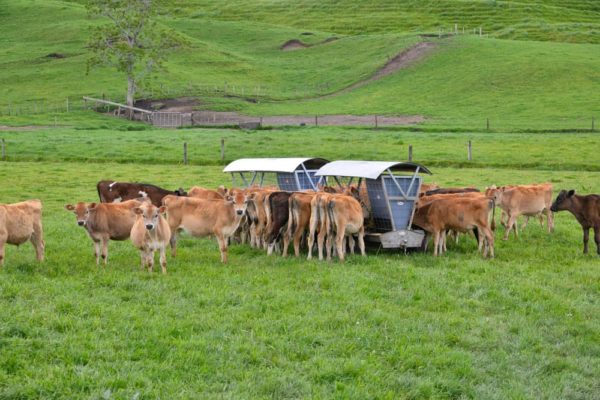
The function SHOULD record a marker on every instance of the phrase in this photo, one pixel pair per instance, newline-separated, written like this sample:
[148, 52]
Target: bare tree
[133, 42]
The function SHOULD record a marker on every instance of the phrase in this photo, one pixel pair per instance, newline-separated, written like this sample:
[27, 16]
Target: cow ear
[571, 193]
[229, 199]
[92, 206]
[69, 207]
[138, 210]
[251, 196]
[162, 209]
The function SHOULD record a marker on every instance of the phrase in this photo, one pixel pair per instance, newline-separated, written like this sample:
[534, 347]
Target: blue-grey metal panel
[390, 209]
[287, 181]
[401, 206]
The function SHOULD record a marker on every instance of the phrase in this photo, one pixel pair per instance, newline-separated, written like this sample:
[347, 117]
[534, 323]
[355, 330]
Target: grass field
[516, 84]
[523, 325]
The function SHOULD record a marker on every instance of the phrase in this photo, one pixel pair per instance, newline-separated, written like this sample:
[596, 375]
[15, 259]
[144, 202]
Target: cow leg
[2, 244]
[173, 243]
[597, 238]
[512, 221]
[97, 251]
[163, 259]
[223, 247]
[37, 239]
[586, 238]
[142, 259]
[150, 260]
[503, 218]
[361, 241]
[339, 242]
[351, 243]
[297, 238]
[550, 218]
[436, 242]
[105, 250]
[526, 222]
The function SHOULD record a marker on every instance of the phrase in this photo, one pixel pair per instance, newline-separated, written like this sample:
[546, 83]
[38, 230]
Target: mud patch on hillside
[296, 44]
[180, 104]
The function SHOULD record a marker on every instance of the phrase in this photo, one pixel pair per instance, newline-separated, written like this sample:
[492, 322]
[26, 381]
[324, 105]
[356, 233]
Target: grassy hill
[235, 56]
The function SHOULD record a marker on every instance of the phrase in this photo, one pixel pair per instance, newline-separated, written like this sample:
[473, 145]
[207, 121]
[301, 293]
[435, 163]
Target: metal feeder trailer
[392, 198]
[292, 174]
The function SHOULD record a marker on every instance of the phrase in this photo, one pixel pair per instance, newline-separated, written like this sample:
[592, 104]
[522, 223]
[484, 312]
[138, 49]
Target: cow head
[239, 202]
[180, 192]
[82, 211]
[150, 214]
[222, 190]
[563, 201]
[495, 193]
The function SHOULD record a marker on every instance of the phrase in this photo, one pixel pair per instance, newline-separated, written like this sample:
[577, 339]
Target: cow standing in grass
[149, 233]
[587, 211]
[115, 192]
[104, 222]
[19, 223]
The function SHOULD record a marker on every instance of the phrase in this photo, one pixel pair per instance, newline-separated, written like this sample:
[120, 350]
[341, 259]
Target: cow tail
[330, 217]
[493, 226]
[292, 216]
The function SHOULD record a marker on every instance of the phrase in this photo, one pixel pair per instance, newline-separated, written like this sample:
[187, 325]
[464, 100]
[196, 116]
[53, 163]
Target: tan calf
[298, 221]
[318, 224]
[458, 214]
[208, 194]
[19, 223]
[200, 218]
[104, 222]
[527, 200]
[346, 218]
[149, 233]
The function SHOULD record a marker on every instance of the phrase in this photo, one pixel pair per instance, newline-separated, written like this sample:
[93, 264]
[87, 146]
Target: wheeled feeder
[392, 198]
[292, 174]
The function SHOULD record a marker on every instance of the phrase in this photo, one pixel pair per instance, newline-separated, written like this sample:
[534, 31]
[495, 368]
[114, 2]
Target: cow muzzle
[81, 223]
[239, 212]
[149, 226]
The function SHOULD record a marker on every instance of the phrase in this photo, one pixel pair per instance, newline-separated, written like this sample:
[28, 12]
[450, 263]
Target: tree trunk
[130, 95]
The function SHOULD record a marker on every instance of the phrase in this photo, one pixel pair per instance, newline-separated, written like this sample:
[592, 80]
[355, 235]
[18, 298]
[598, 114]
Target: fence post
[316, 120]
[480, 32]
[185, 157]
[376, 122]
[487, 124]
[410, 152]
[67, 104]
[455, 29]
[470, 152]
[222, 149]
[261, 121]
[593, 121]
[3, 150]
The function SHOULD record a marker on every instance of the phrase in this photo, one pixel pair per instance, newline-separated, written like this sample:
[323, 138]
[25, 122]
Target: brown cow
[104, 222]
[346, 218]
[207, 194]
[149, 233]
[459, 214]
[200, 218]
[115, 192]
[277, 212]
[257, 215]
[19, 223]
[298, 220]
[318, 225]
[529, 200]
[587, 211]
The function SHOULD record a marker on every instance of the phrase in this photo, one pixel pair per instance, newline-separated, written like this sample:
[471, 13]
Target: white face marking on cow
[117, 200]
[111, 185]
[143, 194]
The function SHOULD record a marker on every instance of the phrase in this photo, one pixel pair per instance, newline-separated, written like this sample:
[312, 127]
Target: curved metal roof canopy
[273, 164]
[367, 169]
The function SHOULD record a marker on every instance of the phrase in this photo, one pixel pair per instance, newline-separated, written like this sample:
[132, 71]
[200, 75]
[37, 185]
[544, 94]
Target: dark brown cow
[277, 211]
[450, 191]
[587, 211]
[116, 192]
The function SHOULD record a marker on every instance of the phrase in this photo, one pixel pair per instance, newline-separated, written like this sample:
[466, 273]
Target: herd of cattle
[267, 217]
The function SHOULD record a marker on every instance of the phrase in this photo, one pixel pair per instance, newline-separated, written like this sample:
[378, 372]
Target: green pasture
[523, 325]
[234, 61]
[111, 140]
